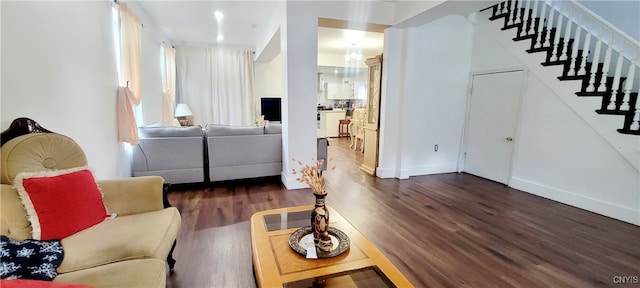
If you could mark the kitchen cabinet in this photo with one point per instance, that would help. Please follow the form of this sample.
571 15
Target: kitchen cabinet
321 83
329 120
361 91
339 91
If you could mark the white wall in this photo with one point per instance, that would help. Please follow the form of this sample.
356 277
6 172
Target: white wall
431 94
622 14
559 156
268 78
58 68
267 81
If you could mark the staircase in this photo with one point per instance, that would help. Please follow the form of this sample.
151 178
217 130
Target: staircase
587 48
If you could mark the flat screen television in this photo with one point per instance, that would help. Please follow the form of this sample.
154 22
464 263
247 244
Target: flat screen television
271 109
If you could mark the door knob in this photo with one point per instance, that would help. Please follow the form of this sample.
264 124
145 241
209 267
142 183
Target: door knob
509 139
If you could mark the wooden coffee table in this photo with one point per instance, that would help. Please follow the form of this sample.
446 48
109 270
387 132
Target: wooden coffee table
276 264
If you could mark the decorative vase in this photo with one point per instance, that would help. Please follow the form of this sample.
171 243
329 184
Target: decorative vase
320 224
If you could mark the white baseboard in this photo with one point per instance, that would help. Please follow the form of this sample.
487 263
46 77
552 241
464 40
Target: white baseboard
612 210
416 171
292 183
386 172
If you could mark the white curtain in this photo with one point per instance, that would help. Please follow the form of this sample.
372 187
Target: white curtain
168 83
128 94
217 84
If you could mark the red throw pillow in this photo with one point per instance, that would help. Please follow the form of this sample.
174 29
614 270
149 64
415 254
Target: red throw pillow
61 203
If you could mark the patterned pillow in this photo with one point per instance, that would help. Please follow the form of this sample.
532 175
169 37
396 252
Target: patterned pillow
29 259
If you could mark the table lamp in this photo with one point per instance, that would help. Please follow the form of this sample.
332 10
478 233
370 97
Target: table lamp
182 112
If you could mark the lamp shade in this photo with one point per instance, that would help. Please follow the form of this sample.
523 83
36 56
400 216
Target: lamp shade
182 110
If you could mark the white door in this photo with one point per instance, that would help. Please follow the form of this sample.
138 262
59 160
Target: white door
491 125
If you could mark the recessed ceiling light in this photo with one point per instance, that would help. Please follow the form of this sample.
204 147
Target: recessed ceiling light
220 38
218 15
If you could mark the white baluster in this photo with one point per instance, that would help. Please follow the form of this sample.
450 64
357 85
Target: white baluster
556 42
574 52
549 25
517 12
534 14
629 85
585 55
567 34
605 67
539 38
616 80
594 65
635 123
512 10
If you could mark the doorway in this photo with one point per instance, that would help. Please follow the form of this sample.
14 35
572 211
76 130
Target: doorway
492 117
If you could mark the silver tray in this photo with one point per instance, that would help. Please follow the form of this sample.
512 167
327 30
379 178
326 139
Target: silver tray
339 239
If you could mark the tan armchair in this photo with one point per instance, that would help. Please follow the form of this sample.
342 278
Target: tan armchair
127 251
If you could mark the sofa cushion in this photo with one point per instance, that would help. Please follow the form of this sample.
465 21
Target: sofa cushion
273 128
61 203
137 236
148 273
30 259
224 130
167 131
14 217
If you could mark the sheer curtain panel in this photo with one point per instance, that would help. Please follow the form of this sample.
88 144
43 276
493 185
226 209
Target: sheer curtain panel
217 83
168 83
128 94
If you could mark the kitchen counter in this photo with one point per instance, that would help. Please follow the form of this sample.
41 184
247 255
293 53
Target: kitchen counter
329 120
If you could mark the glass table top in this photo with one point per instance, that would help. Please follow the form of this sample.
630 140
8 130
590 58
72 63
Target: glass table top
370 277
283 221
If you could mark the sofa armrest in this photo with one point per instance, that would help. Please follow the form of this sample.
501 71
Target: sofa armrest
128 196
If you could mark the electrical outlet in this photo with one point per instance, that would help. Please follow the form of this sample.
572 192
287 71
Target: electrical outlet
435 147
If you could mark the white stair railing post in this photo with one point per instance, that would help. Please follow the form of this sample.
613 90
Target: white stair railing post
605 68
549 26
585 55
533 17
594 65
539 38
512 10
567 35
556 42
574 52
517 14
635 123
616 80
629 84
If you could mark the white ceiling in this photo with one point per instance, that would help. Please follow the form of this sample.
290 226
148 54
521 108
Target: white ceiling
193 22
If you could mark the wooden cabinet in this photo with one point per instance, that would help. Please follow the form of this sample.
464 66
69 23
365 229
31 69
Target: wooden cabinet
371 126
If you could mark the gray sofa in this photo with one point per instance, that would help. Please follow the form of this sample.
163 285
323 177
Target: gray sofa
244 152
216 153
174 153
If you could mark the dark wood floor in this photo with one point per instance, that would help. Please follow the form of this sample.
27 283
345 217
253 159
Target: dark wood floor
447 230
